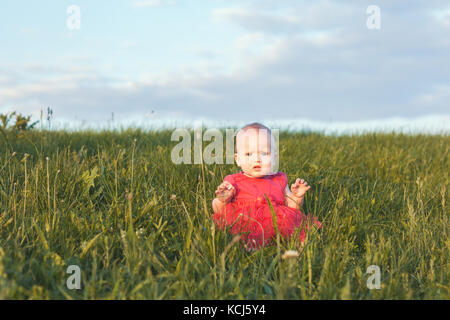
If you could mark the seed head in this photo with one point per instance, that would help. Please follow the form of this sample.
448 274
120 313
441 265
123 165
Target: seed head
290 254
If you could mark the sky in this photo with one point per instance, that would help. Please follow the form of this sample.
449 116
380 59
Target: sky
289 61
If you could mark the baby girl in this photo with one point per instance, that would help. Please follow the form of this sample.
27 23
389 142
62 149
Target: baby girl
241 203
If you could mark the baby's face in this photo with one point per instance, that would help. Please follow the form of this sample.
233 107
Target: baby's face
254 154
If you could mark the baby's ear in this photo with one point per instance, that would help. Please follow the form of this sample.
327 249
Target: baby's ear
236 159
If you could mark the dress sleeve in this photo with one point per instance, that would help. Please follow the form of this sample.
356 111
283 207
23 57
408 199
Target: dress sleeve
283 180
230 179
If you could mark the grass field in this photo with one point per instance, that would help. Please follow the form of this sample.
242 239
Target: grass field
139 226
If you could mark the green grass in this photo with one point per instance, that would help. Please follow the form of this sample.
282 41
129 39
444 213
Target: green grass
104 202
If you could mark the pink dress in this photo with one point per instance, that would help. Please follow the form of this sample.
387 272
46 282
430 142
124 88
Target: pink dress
249 213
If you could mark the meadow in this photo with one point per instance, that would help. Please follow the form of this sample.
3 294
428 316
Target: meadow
139 226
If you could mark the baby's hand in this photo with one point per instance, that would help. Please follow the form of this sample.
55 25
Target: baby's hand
225 191
299 188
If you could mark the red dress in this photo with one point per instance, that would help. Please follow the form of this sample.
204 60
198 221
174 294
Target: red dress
249 213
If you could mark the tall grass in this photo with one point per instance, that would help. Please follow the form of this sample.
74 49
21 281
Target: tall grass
140 227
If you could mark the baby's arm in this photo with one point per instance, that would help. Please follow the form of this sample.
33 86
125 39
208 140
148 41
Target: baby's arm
294 196
224 194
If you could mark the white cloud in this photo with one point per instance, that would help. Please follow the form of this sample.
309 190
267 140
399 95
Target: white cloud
153 3
127 44
437 97
443 17
255 21
202 52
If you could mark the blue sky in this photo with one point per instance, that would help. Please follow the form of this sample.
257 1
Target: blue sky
226 60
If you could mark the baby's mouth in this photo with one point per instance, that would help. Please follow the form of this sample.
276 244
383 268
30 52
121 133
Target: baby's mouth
256 167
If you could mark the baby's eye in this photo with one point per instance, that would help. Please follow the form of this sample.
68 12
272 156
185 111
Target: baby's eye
265 153
248 154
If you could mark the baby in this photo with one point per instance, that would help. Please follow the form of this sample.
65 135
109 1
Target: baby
240 201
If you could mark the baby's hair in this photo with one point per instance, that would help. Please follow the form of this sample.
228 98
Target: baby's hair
255 125
258 126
